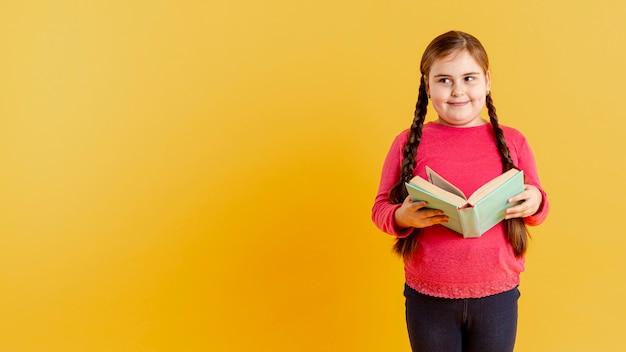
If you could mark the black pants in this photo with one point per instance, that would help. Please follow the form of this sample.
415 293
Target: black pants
486 324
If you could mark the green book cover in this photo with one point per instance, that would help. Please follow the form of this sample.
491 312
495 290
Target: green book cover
470 216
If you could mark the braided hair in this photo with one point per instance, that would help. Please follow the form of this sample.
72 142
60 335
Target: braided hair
443 45
515 229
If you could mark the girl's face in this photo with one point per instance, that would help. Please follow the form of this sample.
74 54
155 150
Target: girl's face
457 87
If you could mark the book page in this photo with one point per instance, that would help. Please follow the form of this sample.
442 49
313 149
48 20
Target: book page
492 185
442 183
424 186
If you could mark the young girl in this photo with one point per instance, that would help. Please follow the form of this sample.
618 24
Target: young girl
461 294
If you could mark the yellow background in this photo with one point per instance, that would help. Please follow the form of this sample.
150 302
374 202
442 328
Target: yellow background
198 175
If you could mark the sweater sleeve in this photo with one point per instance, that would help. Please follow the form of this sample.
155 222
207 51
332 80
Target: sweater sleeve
526 162
383 210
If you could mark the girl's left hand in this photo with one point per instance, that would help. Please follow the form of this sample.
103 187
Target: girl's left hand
531 198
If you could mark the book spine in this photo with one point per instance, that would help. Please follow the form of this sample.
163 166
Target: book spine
470 222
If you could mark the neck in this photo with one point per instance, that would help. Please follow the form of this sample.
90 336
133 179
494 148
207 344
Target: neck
474 123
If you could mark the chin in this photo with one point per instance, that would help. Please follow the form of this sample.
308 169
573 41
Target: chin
461 122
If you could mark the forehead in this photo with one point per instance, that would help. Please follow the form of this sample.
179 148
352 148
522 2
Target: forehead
458 62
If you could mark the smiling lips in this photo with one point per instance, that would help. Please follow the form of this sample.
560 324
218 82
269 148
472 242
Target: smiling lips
461 103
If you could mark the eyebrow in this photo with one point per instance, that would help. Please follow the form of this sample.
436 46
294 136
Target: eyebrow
465 74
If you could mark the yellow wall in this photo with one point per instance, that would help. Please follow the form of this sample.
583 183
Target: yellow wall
198 175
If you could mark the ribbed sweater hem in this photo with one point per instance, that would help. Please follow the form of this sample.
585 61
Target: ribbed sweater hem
459 291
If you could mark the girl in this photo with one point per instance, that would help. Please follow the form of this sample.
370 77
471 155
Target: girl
461 294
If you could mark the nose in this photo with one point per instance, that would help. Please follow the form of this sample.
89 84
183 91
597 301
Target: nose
457 90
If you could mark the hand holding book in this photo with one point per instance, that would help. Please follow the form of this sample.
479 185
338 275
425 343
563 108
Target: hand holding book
470 216
528 202
417 214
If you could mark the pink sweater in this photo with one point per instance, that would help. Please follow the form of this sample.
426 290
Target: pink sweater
445 264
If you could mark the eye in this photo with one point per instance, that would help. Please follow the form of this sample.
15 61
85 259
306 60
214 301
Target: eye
444 80
470 78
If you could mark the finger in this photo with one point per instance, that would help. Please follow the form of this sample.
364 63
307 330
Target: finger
429 221
518 211
440 219
431 213
415 205
520 197
529 192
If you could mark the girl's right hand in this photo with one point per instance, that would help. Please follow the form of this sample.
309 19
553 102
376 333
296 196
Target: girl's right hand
415 214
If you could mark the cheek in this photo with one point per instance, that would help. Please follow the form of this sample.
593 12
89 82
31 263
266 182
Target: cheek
435 93
438 99
439 105
479 98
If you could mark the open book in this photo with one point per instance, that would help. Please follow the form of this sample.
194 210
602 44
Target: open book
471 216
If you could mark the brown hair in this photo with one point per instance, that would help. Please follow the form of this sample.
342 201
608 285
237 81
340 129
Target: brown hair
442 46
